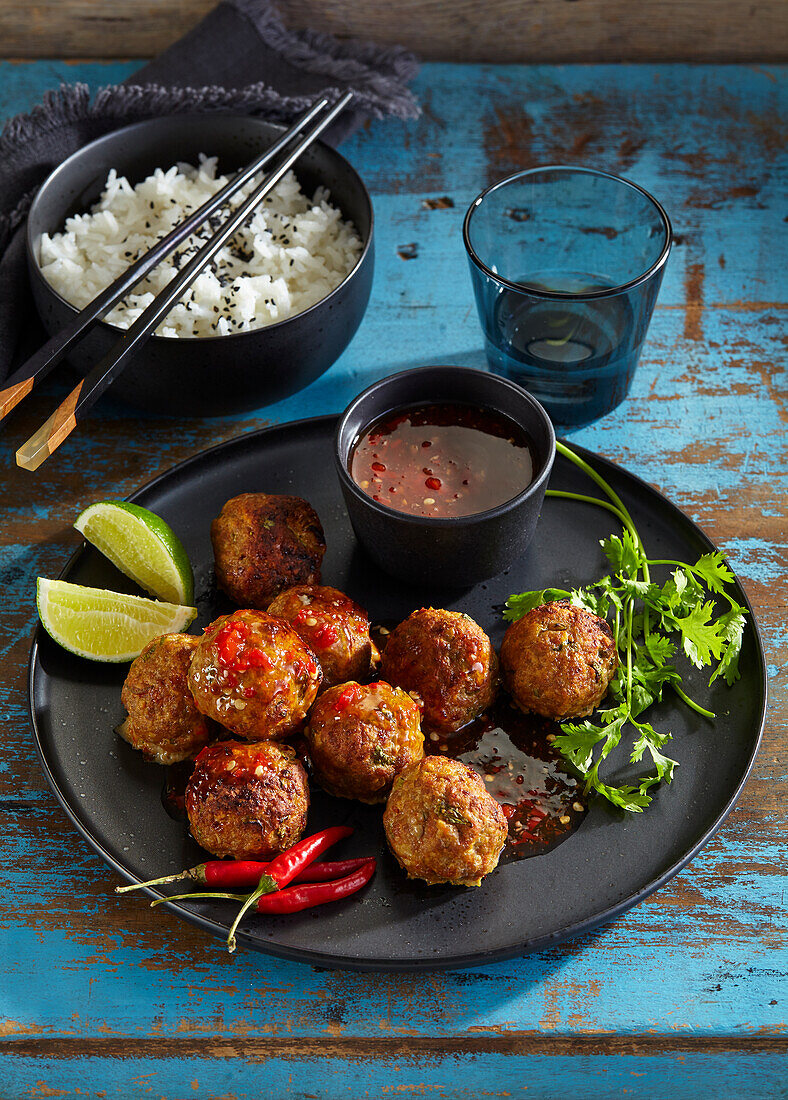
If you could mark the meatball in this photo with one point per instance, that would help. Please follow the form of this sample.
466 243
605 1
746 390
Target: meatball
163 721
442 824
448 660
263 544
247 801
334 627
252 673
361 737
558 660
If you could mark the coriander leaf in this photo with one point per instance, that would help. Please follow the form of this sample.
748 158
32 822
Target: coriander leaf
590 601
701 639
732 623
626 797
677 596
642 590
608 588
576 742
714 571
652 741
517 606
614 713
651 675
641 699
660 649
622 553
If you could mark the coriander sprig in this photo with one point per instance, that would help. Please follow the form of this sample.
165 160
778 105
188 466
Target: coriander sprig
649 622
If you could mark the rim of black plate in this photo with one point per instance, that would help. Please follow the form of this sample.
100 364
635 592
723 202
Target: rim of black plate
349 962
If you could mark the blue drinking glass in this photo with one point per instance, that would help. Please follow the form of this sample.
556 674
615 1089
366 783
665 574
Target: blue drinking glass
566 266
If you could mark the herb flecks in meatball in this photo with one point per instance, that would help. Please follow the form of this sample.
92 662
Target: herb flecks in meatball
247 801
558 660
264 543
360 737
442 824
163 722
254 675
448 661
334 627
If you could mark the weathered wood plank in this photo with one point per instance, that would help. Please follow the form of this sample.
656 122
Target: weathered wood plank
679 1075
502 30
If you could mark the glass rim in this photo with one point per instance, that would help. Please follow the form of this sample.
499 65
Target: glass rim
524 288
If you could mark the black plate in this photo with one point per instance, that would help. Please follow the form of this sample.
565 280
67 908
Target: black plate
611 862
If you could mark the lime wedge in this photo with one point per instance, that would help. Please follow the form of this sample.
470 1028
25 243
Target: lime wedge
102 625
142 546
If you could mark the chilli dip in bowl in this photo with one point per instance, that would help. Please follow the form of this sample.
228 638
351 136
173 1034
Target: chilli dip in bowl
443 460
466 457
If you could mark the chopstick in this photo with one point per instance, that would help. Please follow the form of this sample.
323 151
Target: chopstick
68 414
38 366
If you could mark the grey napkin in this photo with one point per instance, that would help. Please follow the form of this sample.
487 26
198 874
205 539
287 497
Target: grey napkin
239 58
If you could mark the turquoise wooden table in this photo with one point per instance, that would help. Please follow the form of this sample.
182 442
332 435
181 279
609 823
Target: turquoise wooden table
685 995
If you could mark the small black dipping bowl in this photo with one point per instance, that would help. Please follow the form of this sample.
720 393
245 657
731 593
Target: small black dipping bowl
215 375
461 551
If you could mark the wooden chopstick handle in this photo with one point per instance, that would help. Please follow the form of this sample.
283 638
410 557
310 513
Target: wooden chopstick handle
12 395
51 434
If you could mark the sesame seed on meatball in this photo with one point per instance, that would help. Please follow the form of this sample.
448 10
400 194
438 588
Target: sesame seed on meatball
448 661
360 737
334 627
247 801
558 660
264 543
442 824
163 721
254 675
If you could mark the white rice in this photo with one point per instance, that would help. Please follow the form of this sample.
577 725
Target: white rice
291 253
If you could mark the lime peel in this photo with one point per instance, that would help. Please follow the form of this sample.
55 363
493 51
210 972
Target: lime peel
102 625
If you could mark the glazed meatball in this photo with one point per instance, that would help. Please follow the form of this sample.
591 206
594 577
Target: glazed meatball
448 661
361 737
558 660
254 675
263 544
334 627
163 721
247 801
442 824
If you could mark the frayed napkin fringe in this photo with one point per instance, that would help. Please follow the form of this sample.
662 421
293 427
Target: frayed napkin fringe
72 103
351 61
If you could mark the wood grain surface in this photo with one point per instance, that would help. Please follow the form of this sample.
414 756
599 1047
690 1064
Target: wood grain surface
684 995
535 31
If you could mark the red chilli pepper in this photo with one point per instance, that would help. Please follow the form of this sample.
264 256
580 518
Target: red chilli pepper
245 874
296 898
285 867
